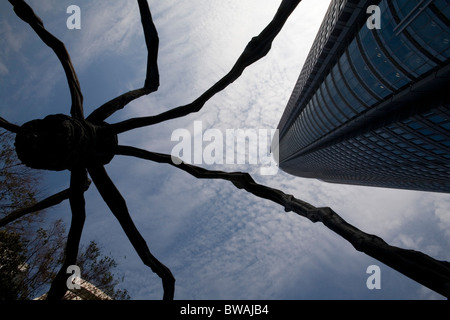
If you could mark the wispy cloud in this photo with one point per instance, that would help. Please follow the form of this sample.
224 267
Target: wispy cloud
3 69
106 28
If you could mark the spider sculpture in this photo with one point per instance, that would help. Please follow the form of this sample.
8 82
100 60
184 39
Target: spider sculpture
83 145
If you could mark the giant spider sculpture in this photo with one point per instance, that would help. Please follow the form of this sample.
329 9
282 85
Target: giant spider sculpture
83 145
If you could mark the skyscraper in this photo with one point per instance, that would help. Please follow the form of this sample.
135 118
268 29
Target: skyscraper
371 104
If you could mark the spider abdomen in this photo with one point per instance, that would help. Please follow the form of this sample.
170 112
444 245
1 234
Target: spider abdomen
59 142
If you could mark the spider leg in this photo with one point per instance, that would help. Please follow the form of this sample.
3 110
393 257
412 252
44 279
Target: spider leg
117 205
9 126
152 78
41 205
78 182
256 49
432 273
26 13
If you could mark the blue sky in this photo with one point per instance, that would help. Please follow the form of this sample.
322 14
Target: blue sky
220 242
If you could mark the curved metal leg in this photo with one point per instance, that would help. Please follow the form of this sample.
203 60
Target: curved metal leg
78 184
117 205
24 12
434 274
256 49
152 78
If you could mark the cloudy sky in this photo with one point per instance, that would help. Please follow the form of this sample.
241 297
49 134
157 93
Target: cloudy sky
219 242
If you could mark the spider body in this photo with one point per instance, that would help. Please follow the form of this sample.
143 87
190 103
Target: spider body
60 142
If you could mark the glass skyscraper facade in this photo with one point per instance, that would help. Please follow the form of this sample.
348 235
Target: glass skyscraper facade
371 105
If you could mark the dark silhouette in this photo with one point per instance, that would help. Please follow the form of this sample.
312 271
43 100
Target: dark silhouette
85 145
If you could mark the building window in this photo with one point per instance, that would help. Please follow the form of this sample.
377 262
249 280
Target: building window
345 92
383 64
370 85
338 100
334 116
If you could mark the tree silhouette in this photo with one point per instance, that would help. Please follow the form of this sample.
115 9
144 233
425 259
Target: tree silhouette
84 145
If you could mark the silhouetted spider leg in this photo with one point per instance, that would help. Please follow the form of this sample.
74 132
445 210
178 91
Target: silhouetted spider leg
78 182
432 273
9 126
41 205
24 11
256 49
151 83
117 205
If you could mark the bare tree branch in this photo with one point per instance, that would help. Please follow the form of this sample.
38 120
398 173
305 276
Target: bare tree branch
26 13
256 49
152 78
420 267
